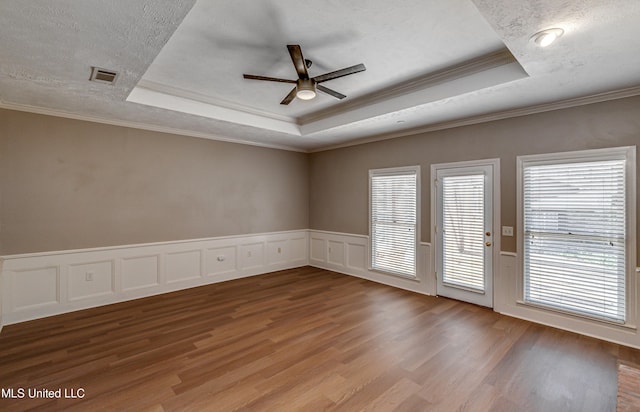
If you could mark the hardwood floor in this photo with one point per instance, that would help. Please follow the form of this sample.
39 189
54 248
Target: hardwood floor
304 339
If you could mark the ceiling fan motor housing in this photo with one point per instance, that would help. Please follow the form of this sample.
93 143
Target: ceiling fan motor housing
306 89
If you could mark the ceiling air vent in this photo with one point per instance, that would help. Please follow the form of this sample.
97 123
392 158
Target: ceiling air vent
103 75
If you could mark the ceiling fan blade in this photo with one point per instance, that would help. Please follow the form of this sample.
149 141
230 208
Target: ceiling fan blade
340 73
271 79
298 61
330 91
290 96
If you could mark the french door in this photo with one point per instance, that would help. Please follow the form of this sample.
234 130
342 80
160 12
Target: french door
464 230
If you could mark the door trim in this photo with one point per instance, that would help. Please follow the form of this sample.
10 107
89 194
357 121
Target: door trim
496 229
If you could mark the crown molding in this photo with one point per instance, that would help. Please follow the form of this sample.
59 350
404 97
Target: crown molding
558 105
158 99
506 114
198 97
489 61
140 125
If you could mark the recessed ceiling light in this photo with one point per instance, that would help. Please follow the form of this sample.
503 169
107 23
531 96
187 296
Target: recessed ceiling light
546 37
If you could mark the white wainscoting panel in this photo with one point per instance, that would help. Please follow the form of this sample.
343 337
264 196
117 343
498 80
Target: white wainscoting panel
140 272
36 285
221 260
277 251
356 257
298 249
504 280
28 295
335 252
91 279
251 255
348 254
181 266
318 250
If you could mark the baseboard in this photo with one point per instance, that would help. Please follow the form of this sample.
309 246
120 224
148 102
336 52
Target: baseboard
348 254
37 285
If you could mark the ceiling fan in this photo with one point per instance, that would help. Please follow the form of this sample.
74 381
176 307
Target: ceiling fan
306 87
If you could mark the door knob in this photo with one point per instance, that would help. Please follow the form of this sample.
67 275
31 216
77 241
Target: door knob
488 243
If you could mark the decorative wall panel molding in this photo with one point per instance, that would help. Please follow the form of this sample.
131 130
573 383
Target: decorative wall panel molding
348 254
87 280
140 272
43 284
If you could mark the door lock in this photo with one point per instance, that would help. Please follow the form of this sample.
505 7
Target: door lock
488 233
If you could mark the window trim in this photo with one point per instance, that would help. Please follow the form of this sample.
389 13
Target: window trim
395 171
627 153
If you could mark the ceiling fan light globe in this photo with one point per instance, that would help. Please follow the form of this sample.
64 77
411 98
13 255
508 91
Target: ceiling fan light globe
305 94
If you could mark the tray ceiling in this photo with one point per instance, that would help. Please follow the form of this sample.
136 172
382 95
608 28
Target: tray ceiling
429 64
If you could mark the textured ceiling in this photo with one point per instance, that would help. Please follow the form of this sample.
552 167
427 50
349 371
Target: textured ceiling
429 64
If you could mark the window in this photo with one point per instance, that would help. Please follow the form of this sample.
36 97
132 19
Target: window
393 207
576 211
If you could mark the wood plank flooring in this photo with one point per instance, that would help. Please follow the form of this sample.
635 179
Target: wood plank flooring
304 339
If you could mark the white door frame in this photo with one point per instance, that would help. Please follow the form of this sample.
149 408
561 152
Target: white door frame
496 225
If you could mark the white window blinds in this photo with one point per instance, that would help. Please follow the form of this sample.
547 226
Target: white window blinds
463 231
574 237
394 197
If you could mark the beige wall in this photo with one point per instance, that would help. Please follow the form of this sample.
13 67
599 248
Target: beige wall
338 178
67 184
